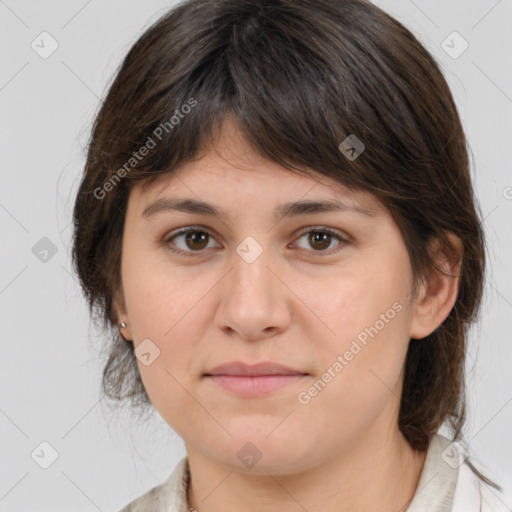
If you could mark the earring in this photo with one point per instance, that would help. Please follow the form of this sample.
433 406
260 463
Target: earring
123 325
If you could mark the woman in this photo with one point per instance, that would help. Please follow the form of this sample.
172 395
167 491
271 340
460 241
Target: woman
277 223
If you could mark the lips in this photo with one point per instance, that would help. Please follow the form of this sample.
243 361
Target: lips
238 368
254 381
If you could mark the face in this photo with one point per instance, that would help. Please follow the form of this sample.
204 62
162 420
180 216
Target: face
326 294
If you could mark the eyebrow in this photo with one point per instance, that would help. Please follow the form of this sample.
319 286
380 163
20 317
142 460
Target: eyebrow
295 209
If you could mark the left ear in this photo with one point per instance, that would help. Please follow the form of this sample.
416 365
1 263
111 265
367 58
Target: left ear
437 293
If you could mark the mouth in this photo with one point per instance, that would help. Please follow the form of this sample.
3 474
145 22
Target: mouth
254 386
238 368
254 380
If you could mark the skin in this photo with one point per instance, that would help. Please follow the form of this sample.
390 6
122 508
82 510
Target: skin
299 303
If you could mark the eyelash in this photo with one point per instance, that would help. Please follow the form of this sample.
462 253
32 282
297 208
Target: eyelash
198 229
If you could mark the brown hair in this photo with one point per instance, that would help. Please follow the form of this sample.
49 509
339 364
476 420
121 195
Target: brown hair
299 77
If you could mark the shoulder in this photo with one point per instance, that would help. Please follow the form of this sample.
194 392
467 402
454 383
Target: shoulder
492 500
471 493
151 501
169 496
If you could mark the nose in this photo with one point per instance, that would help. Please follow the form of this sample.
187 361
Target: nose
255 302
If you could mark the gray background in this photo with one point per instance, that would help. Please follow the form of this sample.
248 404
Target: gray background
50 370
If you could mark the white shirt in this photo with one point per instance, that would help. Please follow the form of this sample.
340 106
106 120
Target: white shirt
446 484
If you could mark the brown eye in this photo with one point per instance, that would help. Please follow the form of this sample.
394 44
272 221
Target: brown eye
196 240
193 240
321 239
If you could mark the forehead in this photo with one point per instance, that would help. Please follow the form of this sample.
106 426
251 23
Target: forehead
232 174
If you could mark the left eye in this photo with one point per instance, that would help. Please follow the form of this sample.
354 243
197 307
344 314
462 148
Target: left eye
196 240
322 238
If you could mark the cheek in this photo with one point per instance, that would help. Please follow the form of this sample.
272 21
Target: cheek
158 296
364 301
361 363
162 304
369 318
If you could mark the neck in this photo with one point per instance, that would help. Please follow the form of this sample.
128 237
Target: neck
376 473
